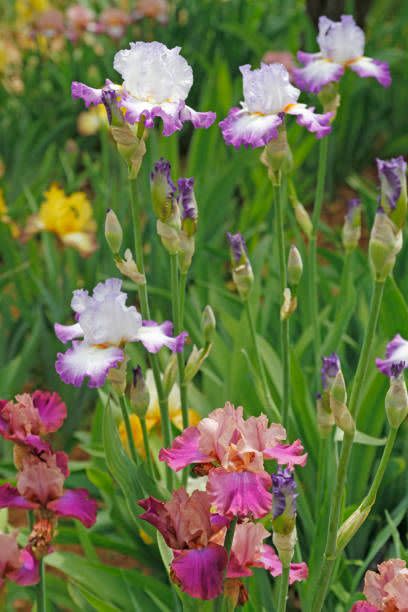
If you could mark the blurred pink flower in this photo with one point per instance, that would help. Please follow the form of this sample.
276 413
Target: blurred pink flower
152 9
280 57
16 564
385 590
113 22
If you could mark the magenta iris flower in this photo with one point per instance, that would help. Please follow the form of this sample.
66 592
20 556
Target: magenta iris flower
156 83
341 46
268 97
233 451
106 325
190 530
27 418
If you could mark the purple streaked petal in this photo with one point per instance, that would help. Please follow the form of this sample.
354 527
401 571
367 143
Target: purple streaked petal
84 360
168 112
392 175
198 119
396 355
187 198
36 443
249 129
11 498
269 560
51 408
75 504
287 454
240 494
88 94
314 122
316 74
200 571
368 67
184 451
155 336
28 573
65 333
284 494
330 368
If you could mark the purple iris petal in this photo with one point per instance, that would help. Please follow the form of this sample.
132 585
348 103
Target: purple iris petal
238 246
75 504
392 174
200 571
11 498
187 198
283 493
330 368
51 408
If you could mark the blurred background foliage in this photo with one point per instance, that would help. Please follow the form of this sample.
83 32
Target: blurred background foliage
43 141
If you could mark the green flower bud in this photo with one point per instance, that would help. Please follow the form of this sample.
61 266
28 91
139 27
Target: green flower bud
396 401
241 266
384 246
139 393
208 324
277 156
295 267
329 98
352 226
113 231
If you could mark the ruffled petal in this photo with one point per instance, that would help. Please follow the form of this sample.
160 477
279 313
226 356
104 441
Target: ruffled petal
65 333
249 129
396 355
246 545
199 120
11 498
200 571
134 110
85 360
307 58
88 94
28 573
368 67
314 122
154 337
51 408
184 451
240 494
287 454
363 606
75 504
317 73
271 562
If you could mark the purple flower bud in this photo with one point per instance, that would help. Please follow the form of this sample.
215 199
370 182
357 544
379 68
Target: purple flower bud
162 189
352 225
392 174
187 198
330 368
353 208
284 494
239 250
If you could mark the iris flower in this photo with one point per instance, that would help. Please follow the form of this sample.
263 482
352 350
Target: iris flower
341 46
268 97
106 325
156 83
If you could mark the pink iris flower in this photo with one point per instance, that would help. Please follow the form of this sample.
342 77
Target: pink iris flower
233 451
27 418
17 564
40 486
387 590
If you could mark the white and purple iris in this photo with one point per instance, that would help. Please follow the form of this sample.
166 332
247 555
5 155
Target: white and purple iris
268 97
396 357
341 46
106 325
156 83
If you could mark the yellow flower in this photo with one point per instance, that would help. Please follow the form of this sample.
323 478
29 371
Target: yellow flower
69 217
27 9
153 414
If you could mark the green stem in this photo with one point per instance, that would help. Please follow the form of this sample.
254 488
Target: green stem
227 605
283 589
313 294
280 202
128 427
146 443
354 406
41 590
366 505
321 472
144 306
267 397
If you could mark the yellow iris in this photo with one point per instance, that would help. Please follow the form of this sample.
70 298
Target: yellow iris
64 214
27 9
153 415
4 216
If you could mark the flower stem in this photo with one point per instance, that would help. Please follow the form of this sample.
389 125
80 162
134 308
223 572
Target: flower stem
313 295
146 443
128 427
366 505
144 306
280 201
41 590
283 589
354 406
267 398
